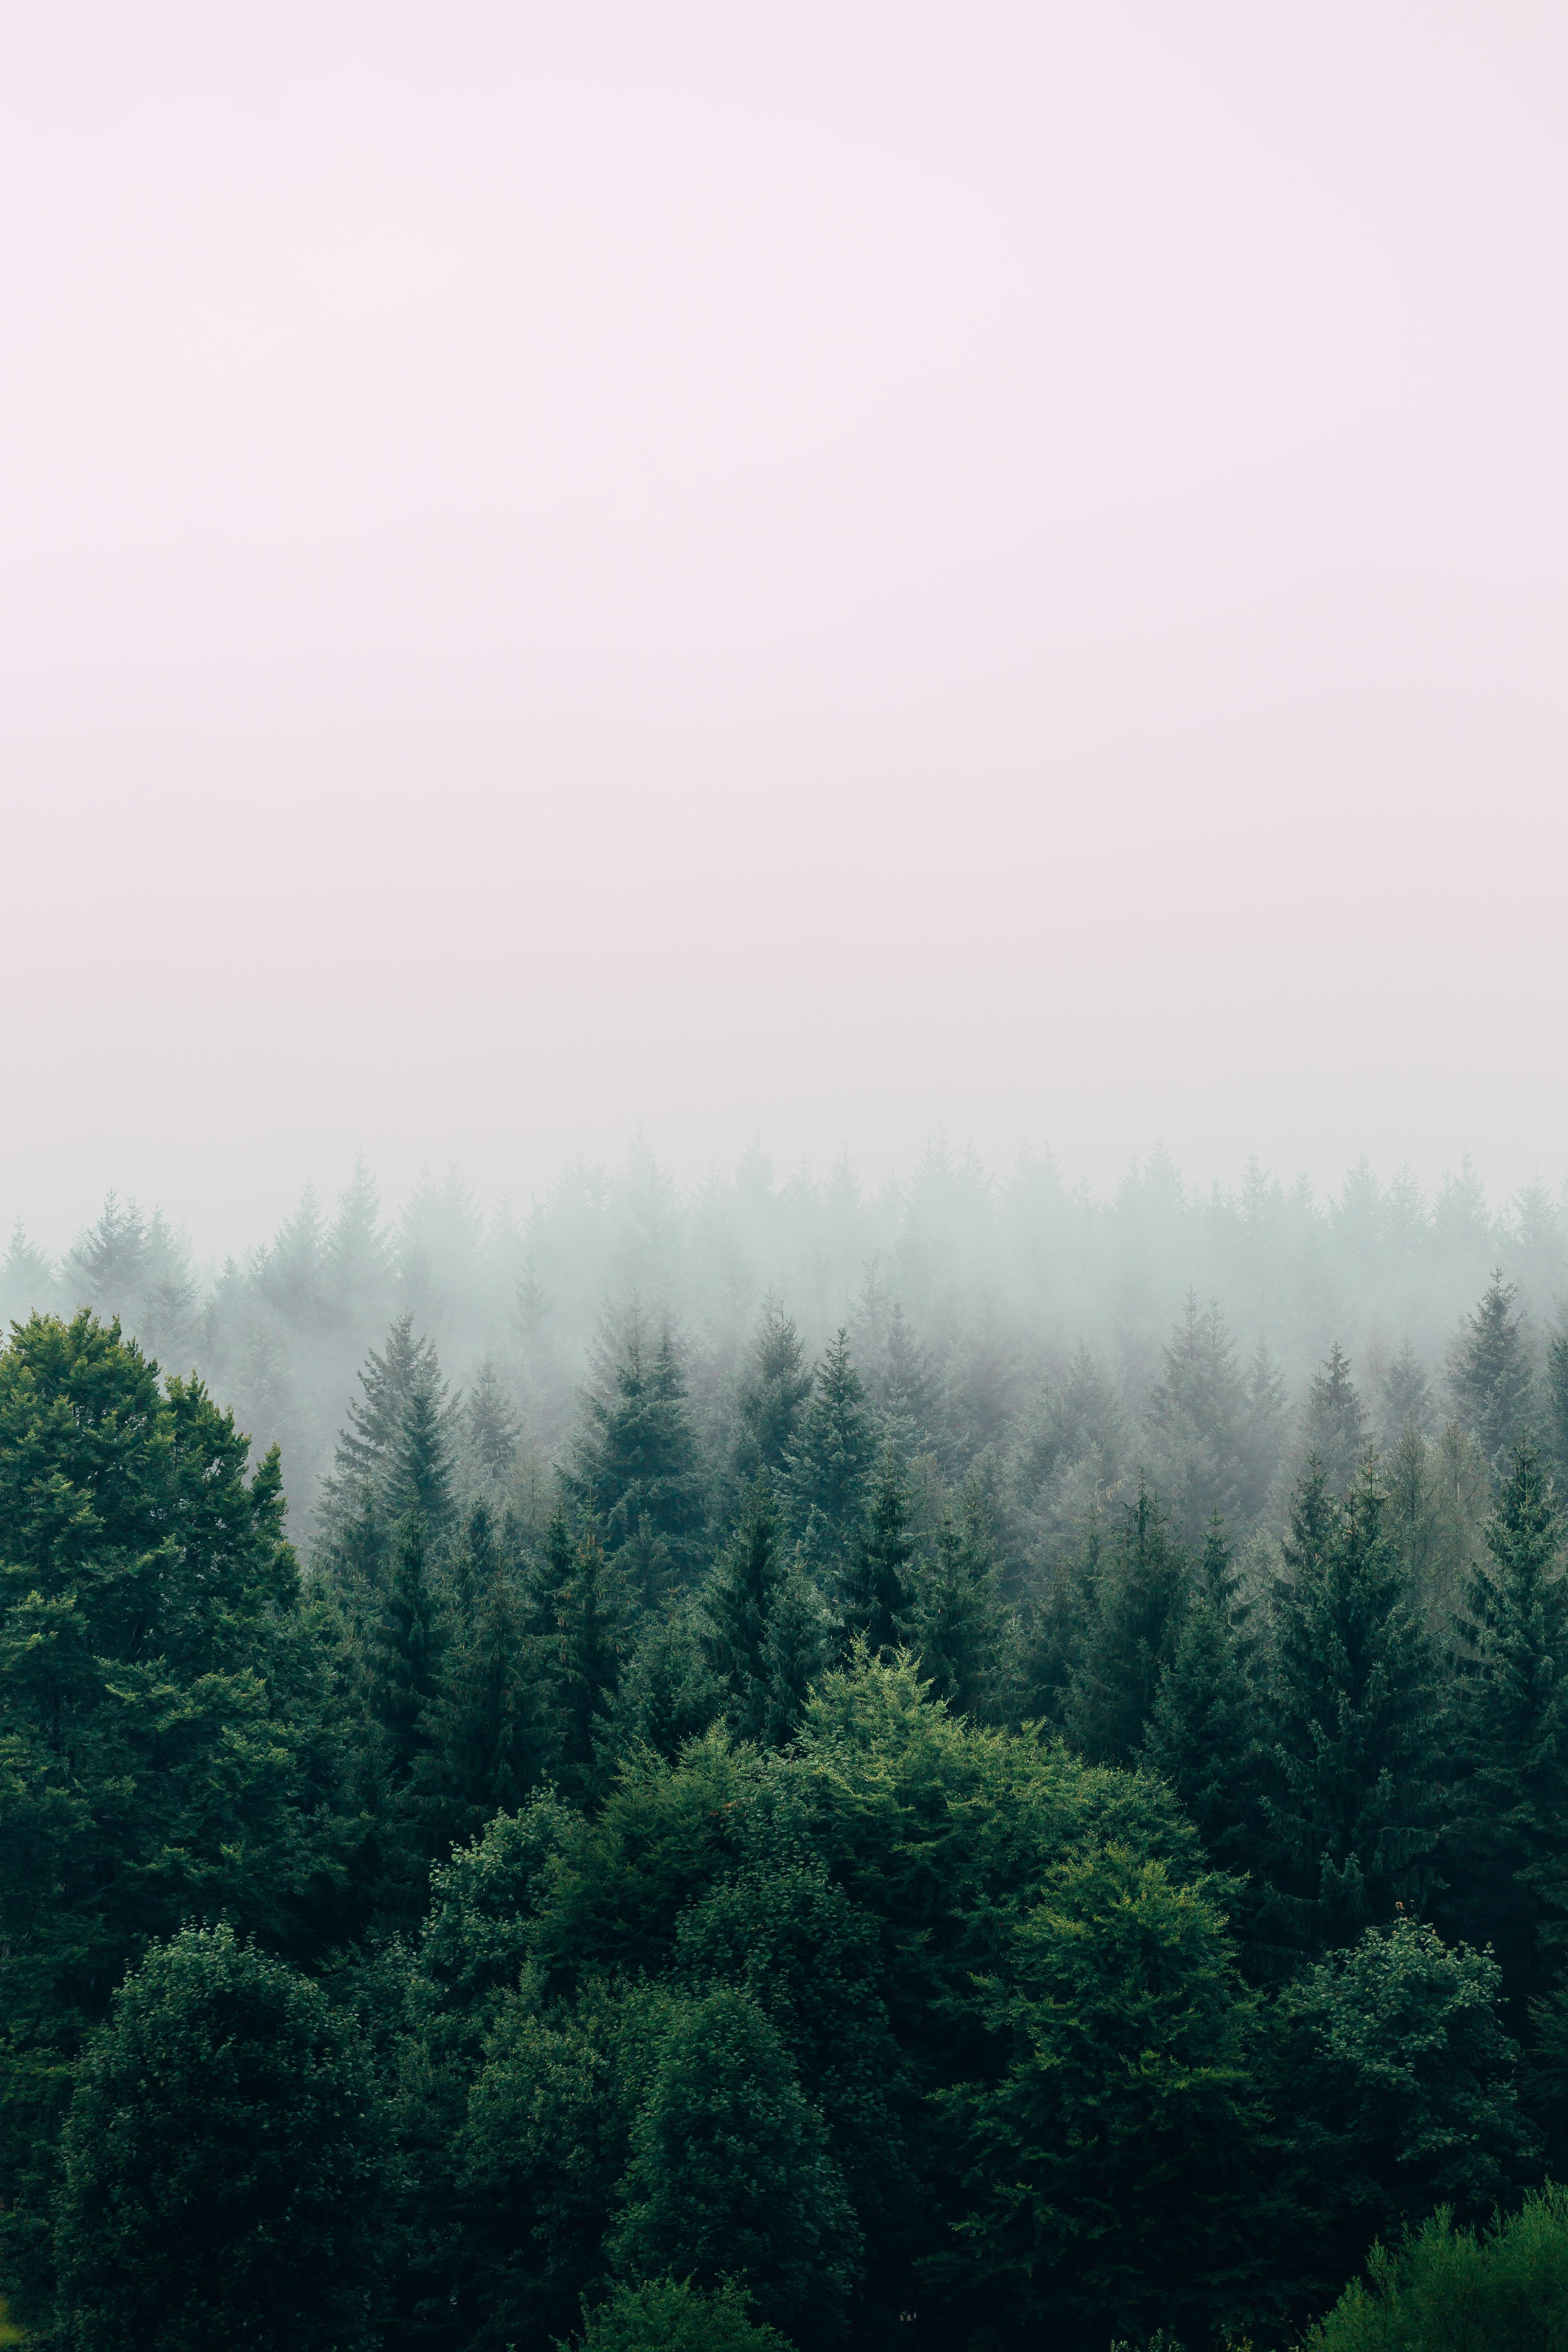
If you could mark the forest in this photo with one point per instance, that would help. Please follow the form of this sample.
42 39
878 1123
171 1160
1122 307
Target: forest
972 1765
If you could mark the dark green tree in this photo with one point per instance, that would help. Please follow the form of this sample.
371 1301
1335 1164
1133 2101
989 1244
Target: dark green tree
874 1586
772 1393
1507 1854
829 1467
589 1628
672 2315
1206 1733
1493 1375
1333 1424
1352 1762
730 2173
634 1462
224 2175
1136 1609
491 1428
420 1470
958 1615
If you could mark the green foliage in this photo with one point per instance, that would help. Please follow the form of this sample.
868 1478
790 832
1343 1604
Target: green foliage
730 2173
957 1611
874 1580
1507 1853
1137 1604
1352 1761
829 1465
1396 2091
634 1464
1452 2289
222 2168
1492 1375
1108 2156
673 2315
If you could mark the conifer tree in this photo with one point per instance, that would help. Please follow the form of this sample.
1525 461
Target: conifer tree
1491 1374
829 1467
772 1393
1406 1397
491 1428
420 1471
1334 1424
1198 1416
586 1659
1205 1733
875 1587
635 1459
739 1601
366 1455
1139 1598
1557 1410
405 1658
1351 1761
1508 1855
958 1616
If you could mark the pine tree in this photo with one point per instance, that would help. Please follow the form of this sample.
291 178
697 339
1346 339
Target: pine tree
366 1449
875 1585
1334 1425
738 1603
1406 1397
405 1658
1198 1417
357 1256
420 1470
828 1469
1205 1733
958 1617
1351 1763
492 1739
771 1396
1509 1844
1557 1410
1491 1374
586 1655
635 1458
1139 1599
491 1428
1264 1441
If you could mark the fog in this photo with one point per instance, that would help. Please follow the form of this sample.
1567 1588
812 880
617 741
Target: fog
836 573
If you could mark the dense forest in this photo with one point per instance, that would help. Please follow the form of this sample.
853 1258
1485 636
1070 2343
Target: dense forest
975 1766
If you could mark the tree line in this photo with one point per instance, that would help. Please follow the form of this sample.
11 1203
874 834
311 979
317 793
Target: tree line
784 1876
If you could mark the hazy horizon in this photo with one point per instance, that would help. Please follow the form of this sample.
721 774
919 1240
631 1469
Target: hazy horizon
572 572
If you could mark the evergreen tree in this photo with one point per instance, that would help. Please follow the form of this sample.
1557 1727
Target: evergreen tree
368 1450
586 1661
1508 1855
1334 1425
1557 1410
1406 1397
739 1601
1492 1376
875 1589
1353 1765
1139 1599
829 1467
225 2171
1197 1415
357 1256
1205 1733
768 1408
419 1474
635 1459
732 2176
491 1737
1264 1443
491 1428
958 1615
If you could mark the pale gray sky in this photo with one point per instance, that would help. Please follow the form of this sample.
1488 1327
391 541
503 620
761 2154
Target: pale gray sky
833 569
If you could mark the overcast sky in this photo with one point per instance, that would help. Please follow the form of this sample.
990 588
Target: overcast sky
828 568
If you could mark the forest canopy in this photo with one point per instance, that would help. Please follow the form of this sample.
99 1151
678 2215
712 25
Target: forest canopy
771 1767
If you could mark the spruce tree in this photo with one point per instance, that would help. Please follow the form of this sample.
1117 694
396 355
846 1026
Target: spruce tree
875 1591
1557 1410
1406 1397
1139 1599
958 1616
1492 1376
1197 1415
828 1468
491 1428
586 1659
1334 1424
738 1604
419 1474
1352 1759
772 1393
1206 1733
1508 1853
635 1459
